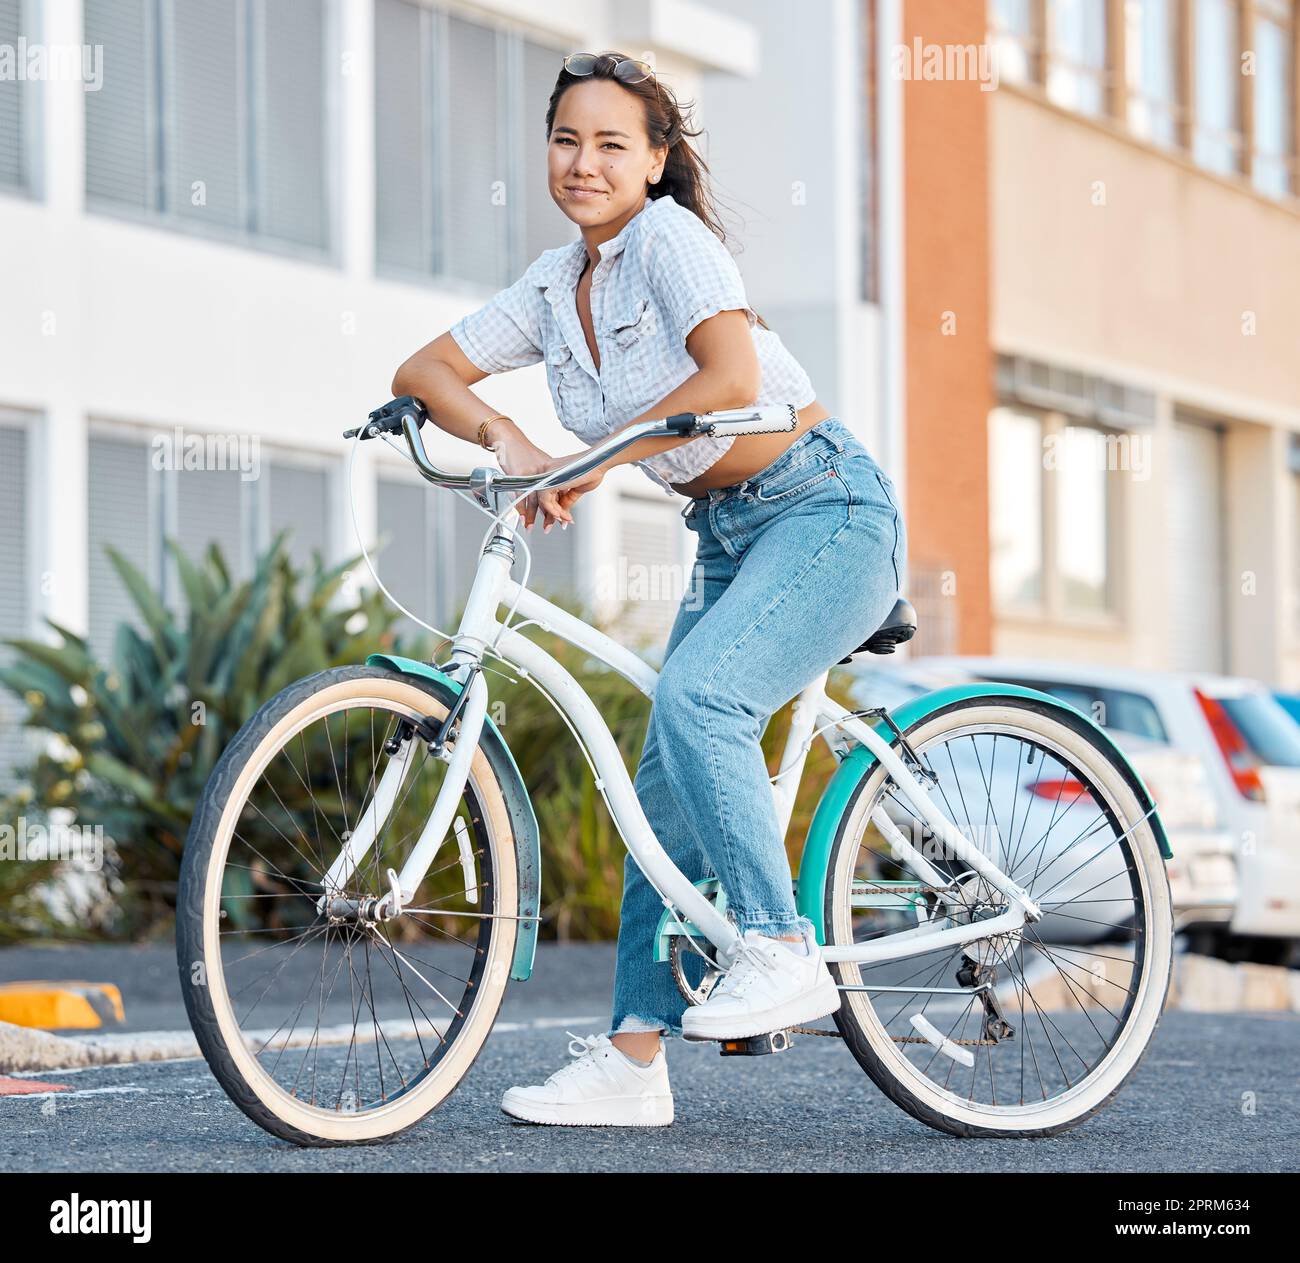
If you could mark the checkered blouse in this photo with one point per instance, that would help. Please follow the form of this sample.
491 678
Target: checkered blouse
657 279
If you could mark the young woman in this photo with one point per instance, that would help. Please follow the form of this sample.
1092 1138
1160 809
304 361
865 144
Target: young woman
800 546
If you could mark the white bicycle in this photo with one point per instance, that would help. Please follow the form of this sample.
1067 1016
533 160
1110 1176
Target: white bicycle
361 878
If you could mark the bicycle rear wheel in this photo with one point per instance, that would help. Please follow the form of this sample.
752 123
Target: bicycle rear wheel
324 1023
1023 1034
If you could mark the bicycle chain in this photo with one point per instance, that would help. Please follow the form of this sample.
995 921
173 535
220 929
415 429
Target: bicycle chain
898 1039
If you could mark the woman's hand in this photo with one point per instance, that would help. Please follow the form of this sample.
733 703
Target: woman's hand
570 493
517 455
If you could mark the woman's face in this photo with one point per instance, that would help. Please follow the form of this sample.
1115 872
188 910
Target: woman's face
599 157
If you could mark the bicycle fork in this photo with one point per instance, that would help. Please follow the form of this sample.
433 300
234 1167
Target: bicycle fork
402 886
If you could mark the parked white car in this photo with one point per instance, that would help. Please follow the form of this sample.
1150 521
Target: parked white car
1202 874
1248 750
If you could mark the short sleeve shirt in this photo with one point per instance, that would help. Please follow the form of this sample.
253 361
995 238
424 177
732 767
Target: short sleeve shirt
663 274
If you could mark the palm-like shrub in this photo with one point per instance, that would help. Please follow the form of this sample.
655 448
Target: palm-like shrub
136 737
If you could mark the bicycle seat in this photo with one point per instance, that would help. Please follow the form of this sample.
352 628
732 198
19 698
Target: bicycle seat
899 626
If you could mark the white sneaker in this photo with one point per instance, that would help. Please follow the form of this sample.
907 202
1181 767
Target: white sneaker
600 1088
771 986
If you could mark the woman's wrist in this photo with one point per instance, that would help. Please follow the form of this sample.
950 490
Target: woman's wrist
496 428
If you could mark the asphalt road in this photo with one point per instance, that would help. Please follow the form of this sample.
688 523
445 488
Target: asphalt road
1216 1092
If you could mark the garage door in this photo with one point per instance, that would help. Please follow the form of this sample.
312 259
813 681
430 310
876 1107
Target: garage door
1198 583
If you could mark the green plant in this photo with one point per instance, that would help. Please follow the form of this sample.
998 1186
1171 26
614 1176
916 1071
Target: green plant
136 738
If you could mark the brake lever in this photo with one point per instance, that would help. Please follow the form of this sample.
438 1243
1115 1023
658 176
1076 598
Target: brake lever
388 418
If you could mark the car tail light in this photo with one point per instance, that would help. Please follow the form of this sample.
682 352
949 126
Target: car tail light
1242 764
1067 789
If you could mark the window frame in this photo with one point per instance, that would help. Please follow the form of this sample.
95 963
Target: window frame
1052 607
162 504
1048 21
509 40
31 137
1132 88
1188 127
157 215
30 425
1032 42
437 524
1286 14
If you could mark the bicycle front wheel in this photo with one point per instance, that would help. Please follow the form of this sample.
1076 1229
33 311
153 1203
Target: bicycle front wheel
1023 1034
326 1024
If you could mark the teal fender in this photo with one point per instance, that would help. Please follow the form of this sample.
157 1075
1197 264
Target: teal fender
814 864
523 820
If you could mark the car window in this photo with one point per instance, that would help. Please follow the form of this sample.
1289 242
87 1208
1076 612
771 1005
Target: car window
1271 733
1131 712
1120 709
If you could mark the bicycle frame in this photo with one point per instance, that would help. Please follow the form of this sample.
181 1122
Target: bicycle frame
814 711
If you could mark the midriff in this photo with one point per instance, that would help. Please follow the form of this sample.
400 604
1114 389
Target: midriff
750 453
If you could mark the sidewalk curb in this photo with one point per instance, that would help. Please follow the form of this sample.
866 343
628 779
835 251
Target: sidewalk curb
36 1051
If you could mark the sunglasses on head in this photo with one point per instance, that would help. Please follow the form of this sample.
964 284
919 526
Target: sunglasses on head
627 69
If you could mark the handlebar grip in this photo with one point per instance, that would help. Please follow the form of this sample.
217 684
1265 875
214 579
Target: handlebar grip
773 418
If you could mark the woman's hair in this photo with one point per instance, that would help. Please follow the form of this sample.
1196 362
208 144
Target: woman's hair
685 174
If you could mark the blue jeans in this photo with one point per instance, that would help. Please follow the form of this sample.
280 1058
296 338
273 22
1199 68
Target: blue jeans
795 567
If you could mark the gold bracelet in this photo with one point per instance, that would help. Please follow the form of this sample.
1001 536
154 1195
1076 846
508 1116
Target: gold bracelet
483 425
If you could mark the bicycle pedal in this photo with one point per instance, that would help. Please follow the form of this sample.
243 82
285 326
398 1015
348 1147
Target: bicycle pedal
756 1045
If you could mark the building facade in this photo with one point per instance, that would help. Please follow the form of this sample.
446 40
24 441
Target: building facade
1113 362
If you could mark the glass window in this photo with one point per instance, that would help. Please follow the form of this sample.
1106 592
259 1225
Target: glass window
476 187
403 199
212 116
212 508
118 516
1053 509
1151 45
545 224
1016 502
407 563
1274 103
1076 76
299 502
1217 143
460 142
1014 39
15 611
1131 712
17 102
1083 519
1272 735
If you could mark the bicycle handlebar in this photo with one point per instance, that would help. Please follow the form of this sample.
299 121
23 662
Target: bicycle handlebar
407 414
